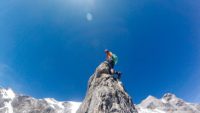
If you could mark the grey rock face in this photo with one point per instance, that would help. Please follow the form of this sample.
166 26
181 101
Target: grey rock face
26 104
106 94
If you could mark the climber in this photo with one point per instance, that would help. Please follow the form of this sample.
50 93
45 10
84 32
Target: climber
112 60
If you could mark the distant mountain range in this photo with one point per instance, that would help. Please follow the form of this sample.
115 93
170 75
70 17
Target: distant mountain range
105 94
169 103
14 103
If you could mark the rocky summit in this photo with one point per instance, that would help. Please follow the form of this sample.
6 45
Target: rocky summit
106 94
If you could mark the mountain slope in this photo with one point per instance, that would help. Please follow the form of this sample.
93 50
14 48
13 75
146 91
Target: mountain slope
14 103
106 94
169 103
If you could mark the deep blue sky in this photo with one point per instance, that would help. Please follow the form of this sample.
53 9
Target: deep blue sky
49 48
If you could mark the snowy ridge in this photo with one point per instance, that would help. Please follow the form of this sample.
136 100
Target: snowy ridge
146 110
13 103
169 103
6 98
75 106
53 103
7 94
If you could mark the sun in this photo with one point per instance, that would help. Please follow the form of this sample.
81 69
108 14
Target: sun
89 16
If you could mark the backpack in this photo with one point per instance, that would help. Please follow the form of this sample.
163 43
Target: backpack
115 58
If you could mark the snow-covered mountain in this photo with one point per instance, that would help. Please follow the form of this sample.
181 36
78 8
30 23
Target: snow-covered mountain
169 103
105 94
14 103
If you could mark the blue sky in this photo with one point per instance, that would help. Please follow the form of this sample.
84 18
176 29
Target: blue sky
51 48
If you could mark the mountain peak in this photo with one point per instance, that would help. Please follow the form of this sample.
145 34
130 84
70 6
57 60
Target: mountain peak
106 94
150 102
169 97
7 93
150 97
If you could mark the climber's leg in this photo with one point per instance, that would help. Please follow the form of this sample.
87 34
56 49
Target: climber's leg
111 63
112 71
118 74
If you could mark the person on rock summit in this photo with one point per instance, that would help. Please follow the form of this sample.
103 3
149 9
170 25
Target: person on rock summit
112 60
